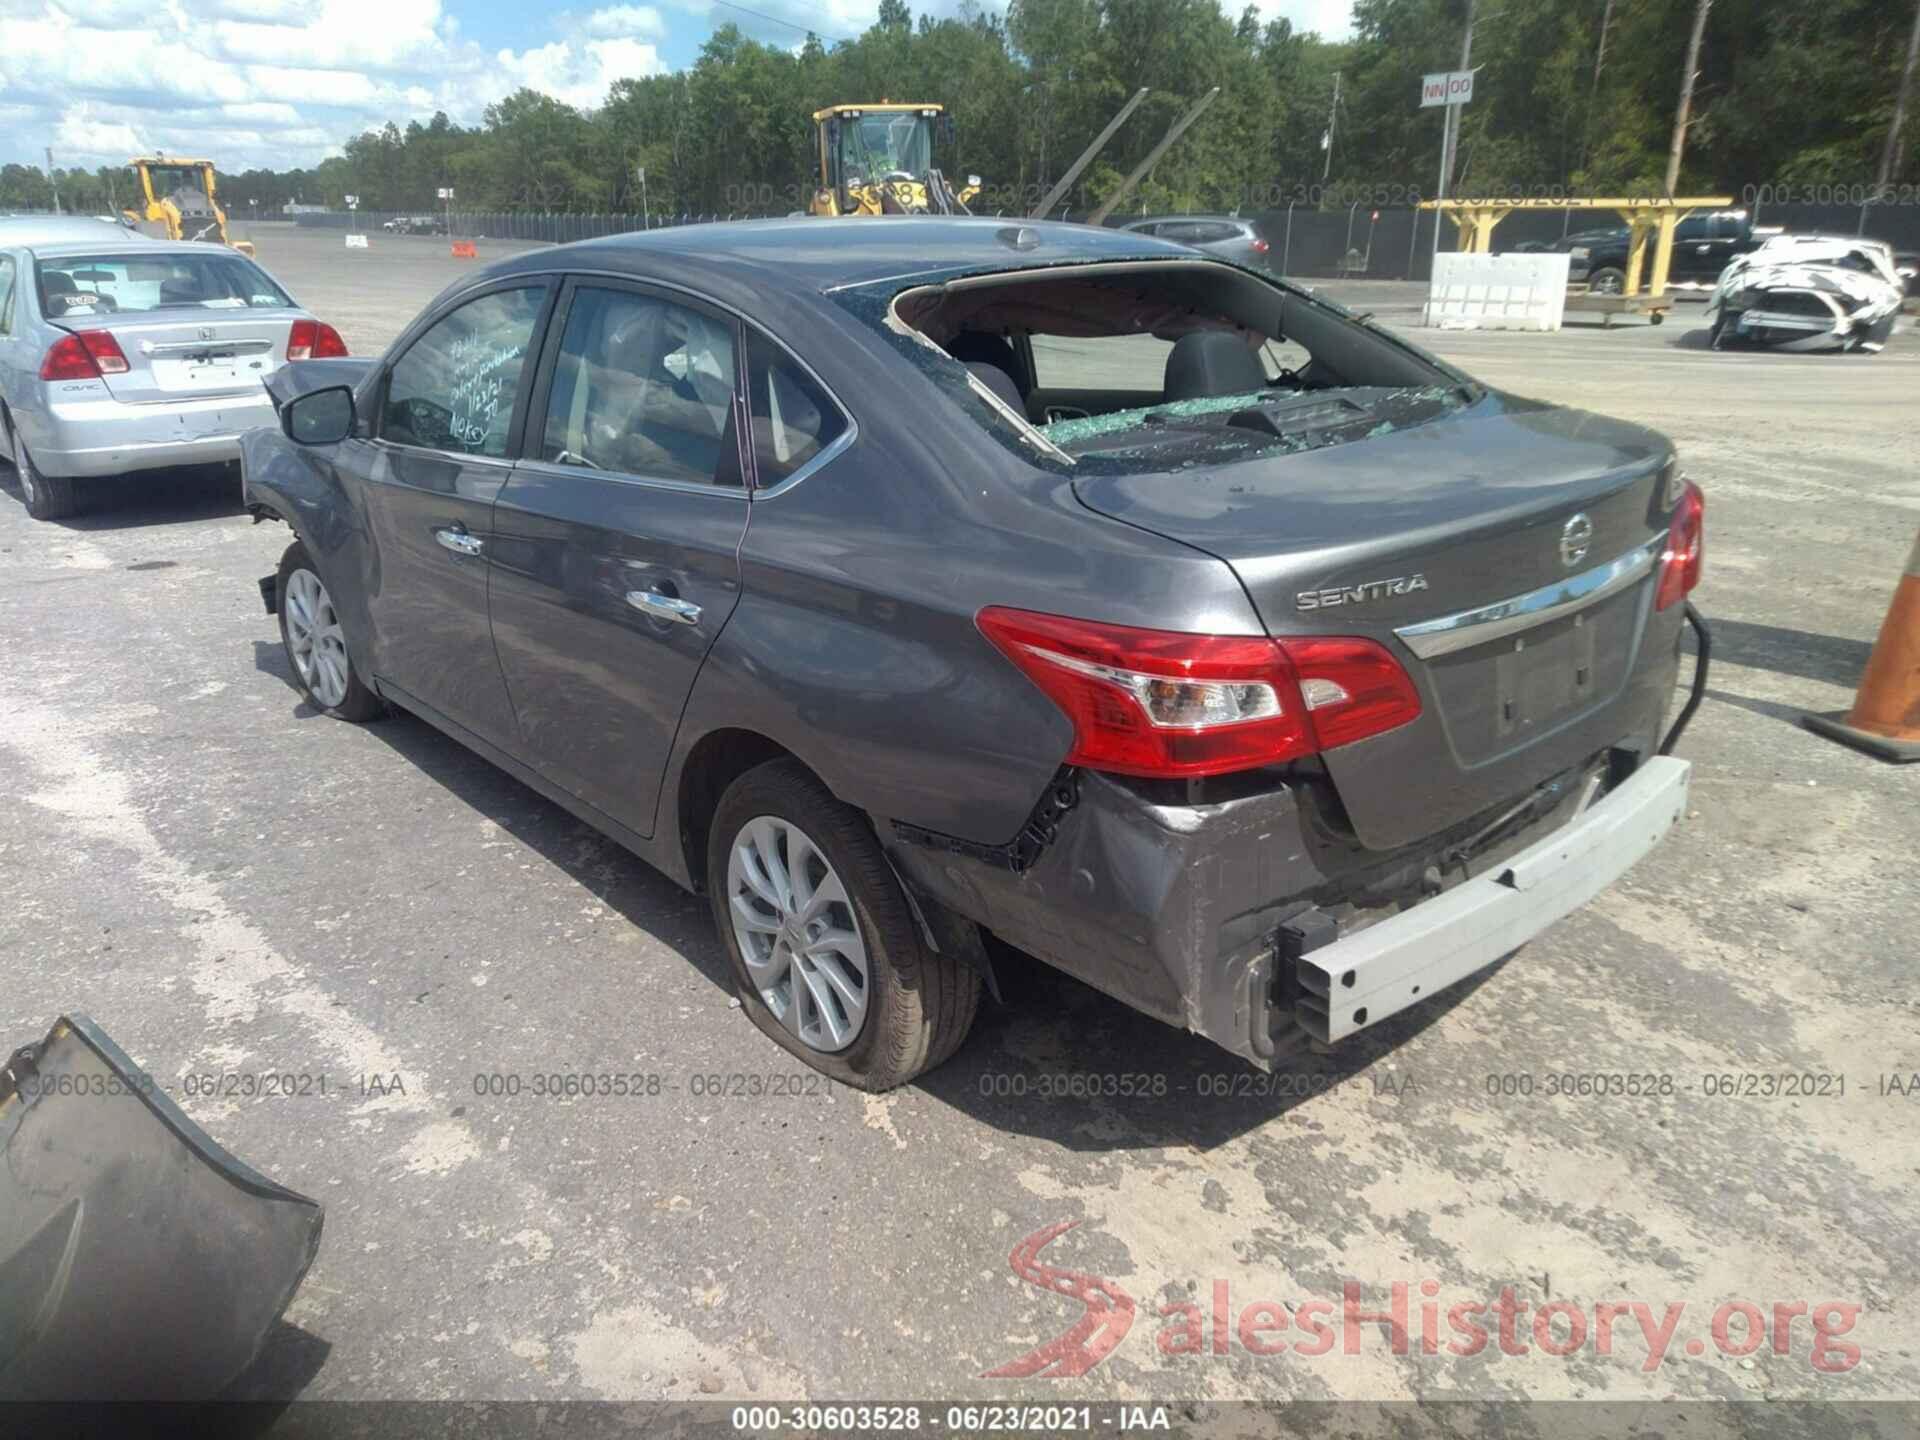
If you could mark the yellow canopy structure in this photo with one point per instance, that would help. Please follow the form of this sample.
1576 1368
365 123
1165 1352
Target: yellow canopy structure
1647 219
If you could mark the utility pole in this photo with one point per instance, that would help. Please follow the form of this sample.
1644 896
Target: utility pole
1593 89
1681 116
1333 118
53 182
1890 157
1448 127
1456 113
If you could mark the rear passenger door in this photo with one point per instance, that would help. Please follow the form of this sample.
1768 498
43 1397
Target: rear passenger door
616 540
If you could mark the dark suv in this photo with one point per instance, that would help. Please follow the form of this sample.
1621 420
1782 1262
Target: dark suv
1703 246
906 583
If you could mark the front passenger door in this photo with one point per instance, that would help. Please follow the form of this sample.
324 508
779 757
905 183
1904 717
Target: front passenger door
616 539
448 411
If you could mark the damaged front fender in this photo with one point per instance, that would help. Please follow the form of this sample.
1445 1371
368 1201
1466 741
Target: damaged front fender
138 1259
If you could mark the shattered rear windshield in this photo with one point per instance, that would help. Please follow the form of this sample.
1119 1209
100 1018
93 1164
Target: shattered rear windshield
1140 366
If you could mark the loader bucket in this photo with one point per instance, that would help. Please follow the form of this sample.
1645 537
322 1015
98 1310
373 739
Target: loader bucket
138 1259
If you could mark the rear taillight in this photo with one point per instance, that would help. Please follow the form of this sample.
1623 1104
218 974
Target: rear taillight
1260 246
84 355
1167 704
1680 561
314 340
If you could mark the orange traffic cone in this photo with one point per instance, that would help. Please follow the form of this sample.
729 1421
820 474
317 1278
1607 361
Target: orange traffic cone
1885 719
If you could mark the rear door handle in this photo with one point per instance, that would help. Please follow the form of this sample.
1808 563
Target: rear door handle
664 607
459 541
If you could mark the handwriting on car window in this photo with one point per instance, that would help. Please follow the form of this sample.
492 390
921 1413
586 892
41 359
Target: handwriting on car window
484 373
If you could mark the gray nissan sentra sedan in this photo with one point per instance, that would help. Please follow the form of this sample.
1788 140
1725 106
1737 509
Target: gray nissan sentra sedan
904 582
120 354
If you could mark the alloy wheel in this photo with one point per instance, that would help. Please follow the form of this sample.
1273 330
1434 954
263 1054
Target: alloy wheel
797 933
315 641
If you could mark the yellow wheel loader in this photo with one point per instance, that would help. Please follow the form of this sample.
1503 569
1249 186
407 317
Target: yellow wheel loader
878 160
176 202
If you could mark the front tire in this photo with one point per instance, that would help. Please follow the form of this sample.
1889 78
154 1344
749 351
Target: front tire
47 497
315 643
825 954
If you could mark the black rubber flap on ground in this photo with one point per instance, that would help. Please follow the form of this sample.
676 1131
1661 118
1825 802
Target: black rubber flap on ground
1834 726
138 1259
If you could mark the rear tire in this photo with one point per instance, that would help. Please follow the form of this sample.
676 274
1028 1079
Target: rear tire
47 497
914 1006
315 644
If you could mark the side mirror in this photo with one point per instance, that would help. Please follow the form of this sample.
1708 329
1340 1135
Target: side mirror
319 417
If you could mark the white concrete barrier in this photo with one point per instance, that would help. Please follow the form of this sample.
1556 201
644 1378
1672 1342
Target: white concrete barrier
356 242
1497 292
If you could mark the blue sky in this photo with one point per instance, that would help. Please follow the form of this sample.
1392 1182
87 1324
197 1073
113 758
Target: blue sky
283 82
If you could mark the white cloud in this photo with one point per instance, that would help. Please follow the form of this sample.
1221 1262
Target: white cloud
618 21
276 82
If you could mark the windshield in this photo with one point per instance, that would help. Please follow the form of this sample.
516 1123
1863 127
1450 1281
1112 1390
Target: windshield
875 146
180 184
122 284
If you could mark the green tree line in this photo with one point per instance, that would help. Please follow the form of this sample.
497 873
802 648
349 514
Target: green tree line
1576 95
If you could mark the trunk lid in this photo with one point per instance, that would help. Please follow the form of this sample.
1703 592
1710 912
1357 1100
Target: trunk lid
191 354
1445 521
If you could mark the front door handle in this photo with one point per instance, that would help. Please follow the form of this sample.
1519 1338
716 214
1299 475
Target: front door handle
664 607
459 541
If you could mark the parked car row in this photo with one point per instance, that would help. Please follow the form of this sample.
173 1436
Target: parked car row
120 353
937 595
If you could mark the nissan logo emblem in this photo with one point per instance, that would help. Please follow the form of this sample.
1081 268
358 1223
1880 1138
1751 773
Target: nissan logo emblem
1576 538
206 332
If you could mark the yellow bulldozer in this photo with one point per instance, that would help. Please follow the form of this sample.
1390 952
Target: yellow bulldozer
878 160
176 201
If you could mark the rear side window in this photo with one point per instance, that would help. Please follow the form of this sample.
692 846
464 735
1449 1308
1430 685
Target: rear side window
793 418
135 284
456 387
645 387
7 277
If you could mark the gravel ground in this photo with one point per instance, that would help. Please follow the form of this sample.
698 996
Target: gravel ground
230 883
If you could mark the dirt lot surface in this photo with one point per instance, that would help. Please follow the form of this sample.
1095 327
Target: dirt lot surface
233 885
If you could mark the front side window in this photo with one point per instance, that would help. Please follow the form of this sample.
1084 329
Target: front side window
456 387
135 284
645 387
793 418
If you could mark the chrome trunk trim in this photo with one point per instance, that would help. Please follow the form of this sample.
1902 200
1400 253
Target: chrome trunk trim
1465 628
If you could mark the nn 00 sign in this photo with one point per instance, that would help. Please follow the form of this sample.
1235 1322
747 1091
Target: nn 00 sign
1450 87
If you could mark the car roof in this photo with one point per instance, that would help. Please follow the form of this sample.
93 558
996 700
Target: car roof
124 243
734 260
35 231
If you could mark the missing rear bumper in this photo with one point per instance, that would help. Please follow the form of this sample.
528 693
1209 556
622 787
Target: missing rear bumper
1351 984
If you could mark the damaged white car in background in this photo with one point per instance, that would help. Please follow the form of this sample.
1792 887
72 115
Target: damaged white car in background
1808 292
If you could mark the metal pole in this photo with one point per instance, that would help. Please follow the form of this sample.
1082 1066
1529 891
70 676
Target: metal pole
1680 119
1065 182
1333 116
1413 237
1099 217
1890 156
53 182
1286 249
1449 132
